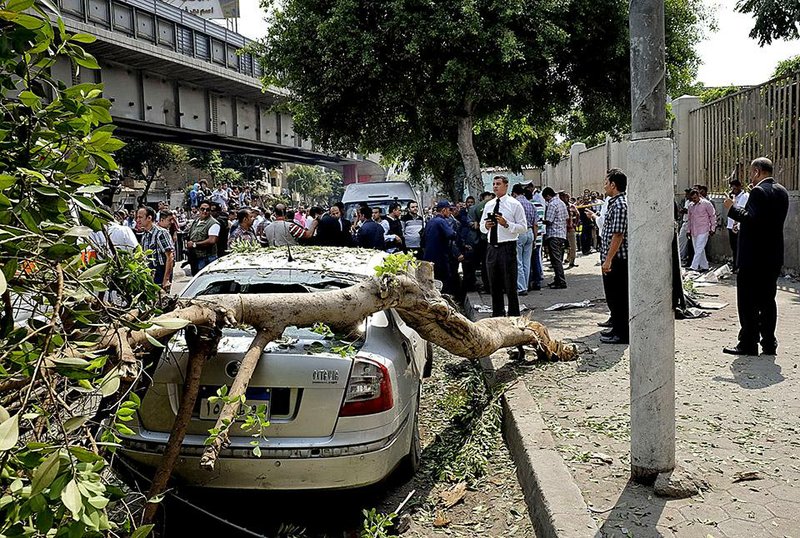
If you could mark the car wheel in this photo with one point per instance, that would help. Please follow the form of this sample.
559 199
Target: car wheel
426 372
409 465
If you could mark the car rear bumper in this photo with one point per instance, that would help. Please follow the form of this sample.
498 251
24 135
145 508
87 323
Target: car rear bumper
286 468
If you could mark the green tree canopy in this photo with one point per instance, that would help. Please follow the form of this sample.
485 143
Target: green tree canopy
314 184
774 19
429 82
146 159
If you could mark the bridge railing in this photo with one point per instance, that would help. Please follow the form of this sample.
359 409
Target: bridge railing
169 27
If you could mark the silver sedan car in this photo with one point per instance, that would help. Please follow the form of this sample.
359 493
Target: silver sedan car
337 419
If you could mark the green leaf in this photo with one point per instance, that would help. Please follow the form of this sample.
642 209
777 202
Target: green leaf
93 271
45 473
19 5
30 99
9 433
110 386
4 414
3 284
6 181
87 61
74 423
28 21
83 38
98 502
74 362
171 323
71 497
152 340
142 532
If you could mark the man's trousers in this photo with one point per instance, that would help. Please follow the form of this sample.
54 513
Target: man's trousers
501 265
615 284
758 313
556 247
699 262
524 249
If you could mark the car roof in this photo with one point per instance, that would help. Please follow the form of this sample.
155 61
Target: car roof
357 261
378 190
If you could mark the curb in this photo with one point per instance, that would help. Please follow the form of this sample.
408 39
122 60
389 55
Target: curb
555 503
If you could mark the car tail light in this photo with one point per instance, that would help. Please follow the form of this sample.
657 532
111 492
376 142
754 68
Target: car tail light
369 389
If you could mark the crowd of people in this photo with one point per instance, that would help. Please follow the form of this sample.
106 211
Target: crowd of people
495 244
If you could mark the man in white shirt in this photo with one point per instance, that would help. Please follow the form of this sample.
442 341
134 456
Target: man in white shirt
739 198
503 220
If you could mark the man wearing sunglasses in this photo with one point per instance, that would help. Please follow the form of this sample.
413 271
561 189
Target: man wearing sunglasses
202 239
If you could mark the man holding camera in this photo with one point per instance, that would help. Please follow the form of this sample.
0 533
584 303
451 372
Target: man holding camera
503 220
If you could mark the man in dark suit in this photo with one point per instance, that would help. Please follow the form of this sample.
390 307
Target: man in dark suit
760 258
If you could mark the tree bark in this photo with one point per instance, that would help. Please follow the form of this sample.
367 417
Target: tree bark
411 295
466 148
239 387
201 347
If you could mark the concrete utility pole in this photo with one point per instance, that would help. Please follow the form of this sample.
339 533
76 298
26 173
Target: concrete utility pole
650 232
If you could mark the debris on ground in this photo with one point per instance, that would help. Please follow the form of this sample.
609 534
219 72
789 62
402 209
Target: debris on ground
567 306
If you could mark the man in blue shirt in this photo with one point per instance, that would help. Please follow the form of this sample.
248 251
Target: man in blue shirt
438 237
370 233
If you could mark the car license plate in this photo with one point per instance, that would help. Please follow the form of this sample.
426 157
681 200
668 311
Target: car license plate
210 410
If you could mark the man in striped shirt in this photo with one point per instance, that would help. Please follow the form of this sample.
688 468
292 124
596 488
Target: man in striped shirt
555 217
157 240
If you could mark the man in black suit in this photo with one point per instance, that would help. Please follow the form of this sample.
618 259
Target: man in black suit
333 229
760 258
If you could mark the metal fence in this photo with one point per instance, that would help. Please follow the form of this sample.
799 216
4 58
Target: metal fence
763 121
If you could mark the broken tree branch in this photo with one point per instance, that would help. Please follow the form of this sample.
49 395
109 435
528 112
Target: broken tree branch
202 343
238 389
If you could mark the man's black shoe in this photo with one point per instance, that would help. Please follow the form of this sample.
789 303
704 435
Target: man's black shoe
555 286
535 288
606 323
613 339
607 333
739 351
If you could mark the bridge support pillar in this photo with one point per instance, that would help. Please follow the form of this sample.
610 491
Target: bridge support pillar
350 173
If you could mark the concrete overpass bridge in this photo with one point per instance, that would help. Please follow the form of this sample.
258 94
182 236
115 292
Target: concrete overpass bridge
175 77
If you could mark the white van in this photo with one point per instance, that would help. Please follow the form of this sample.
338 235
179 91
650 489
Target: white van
378 194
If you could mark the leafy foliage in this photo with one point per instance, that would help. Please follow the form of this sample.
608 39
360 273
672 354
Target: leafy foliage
396 76
315 184
712 94
787 67
775 19
146 160
396 263
377 524
55 156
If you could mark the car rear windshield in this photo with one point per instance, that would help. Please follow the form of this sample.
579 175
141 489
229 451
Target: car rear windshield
267 281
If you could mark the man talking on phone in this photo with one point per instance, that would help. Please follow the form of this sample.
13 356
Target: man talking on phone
503 220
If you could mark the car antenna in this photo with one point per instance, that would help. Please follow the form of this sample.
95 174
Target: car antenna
289 253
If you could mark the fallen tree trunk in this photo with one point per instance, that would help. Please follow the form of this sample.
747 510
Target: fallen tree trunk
412 295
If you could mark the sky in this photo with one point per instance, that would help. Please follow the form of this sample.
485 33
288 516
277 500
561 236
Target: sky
729 55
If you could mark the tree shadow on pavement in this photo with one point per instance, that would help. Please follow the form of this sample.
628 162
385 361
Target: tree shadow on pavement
751 372
636 513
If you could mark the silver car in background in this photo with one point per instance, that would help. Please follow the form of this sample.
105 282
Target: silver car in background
336 420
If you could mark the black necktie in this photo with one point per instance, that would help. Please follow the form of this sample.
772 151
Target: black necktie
493 230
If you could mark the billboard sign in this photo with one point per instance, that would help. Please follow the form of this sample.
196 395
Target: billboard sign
209 9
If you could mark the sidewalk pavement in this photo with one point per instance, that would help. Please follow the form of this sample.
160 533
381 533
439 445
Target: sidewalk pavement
737 417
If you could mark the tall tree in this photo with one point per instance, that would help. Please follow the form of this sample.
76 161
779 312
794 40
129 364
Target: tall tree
419 79
146 160
775 19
